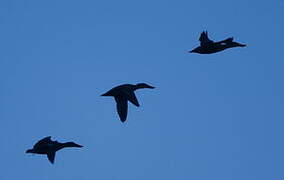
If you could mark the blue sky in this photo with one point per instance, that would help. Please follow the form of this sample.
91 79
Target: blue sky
217 117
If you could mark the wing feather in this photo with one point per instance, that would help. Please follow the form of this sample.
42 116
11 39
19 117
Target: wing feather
132 98
121 106
43 141
204 40
51 156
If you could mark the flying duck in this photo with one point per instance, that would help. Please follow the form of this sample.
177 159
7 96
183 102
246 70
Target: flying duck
49 147
207 46
124 93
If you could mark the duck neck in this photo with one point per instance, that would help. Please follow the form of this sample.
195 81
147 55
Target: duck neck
62 145
138 86
68 144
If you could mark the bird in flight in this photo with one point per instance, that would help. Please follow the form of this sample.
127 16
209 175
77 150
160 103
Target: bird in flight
49 147
124 93
207 46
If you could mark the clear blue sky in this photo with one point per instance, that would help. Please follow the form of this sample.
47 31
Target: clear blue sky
211 117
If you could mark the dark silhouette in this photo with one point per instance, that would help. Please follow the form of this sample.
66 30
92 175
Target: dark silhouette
208 46
49 147
124 93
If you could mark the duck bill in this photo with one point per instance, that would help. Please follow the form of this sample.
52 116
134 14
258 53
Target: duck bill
78 145
236 44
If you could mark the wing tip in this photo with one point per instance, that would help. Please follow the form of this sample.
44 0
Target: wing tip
123 121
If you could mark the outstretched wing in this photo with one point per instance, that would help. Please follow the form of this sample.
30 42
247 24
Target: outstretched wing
204 40
51 156
128 93
121 106
132 98
43 141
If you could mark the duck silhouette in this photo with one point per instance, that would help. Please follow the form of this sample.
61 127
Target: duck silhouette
49 147
208 46
124 93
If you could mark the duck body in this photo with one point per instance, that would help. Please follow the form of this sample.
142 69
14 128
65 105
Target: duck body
208 46
49 147
122 90
124 93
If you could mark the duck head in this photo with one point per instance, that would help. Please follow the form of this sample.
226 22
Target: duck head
72 144
143 85
236 44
